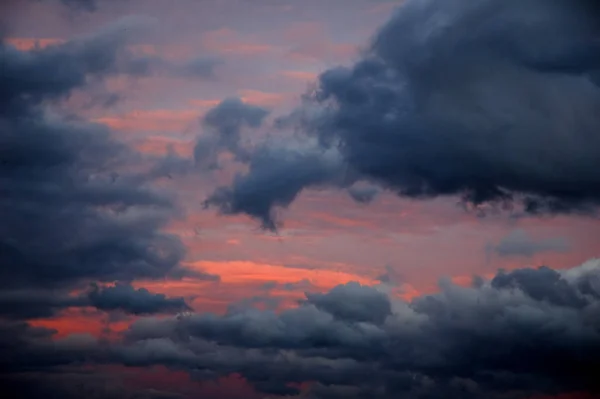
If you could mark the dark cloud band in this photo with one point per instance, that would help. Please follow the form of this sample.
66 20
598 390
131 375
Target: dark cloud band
525 332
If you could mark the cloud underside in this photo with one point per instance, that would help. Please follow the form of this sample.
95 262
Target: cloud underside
495 102
525 332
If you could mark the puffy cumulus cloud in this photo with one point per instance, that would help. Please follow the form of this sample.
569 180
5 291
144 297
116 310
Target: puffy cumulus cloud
141 301
224 124
493 101
525 332
519 243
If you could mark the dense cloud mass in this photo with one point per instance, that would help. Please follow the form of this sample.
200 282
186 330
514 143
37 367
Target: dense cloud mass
494 101
525 332
65 216
75 204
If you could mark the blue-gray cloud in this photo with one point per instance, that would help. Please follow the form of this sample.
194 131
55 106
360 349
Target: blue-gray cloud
526 332
494 101
223 125
139 301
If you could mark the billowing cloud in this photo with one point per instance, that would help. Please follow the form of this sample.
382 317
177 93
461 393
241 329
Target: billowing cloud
519 243
493 340
495 102
77 204
525 332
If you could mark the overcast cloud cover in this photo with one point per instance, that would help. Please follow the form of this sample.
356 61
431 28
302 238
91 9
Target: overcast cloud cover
493 103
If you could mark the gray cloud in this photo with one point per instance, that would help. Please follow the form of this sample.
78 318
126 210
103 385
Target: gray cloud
78 206
224 124
363 194
141 301
66 219
353 302
277 176
525 332
495 102
519 243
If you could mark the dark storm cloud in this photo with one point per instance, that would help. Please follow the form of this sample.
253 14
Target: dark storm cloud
29 304
224 124
141 301
525 332
493 101
65 217
76 206
529 331
519 243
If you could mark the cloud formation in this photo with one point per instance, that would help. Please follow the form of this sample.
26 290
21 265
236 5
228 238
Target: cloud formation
504 338
77 205
525 332
494 101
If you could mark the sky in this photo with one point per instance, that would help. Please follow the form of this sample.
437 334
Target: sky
300 199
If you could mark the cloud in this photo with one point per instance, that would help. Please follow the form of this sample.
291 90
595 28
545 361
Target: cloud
224 123
525 332
363 194
30 304
353 302
141 301
494 102
277 176
199 67
519 243
82 5
496 340
75 205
